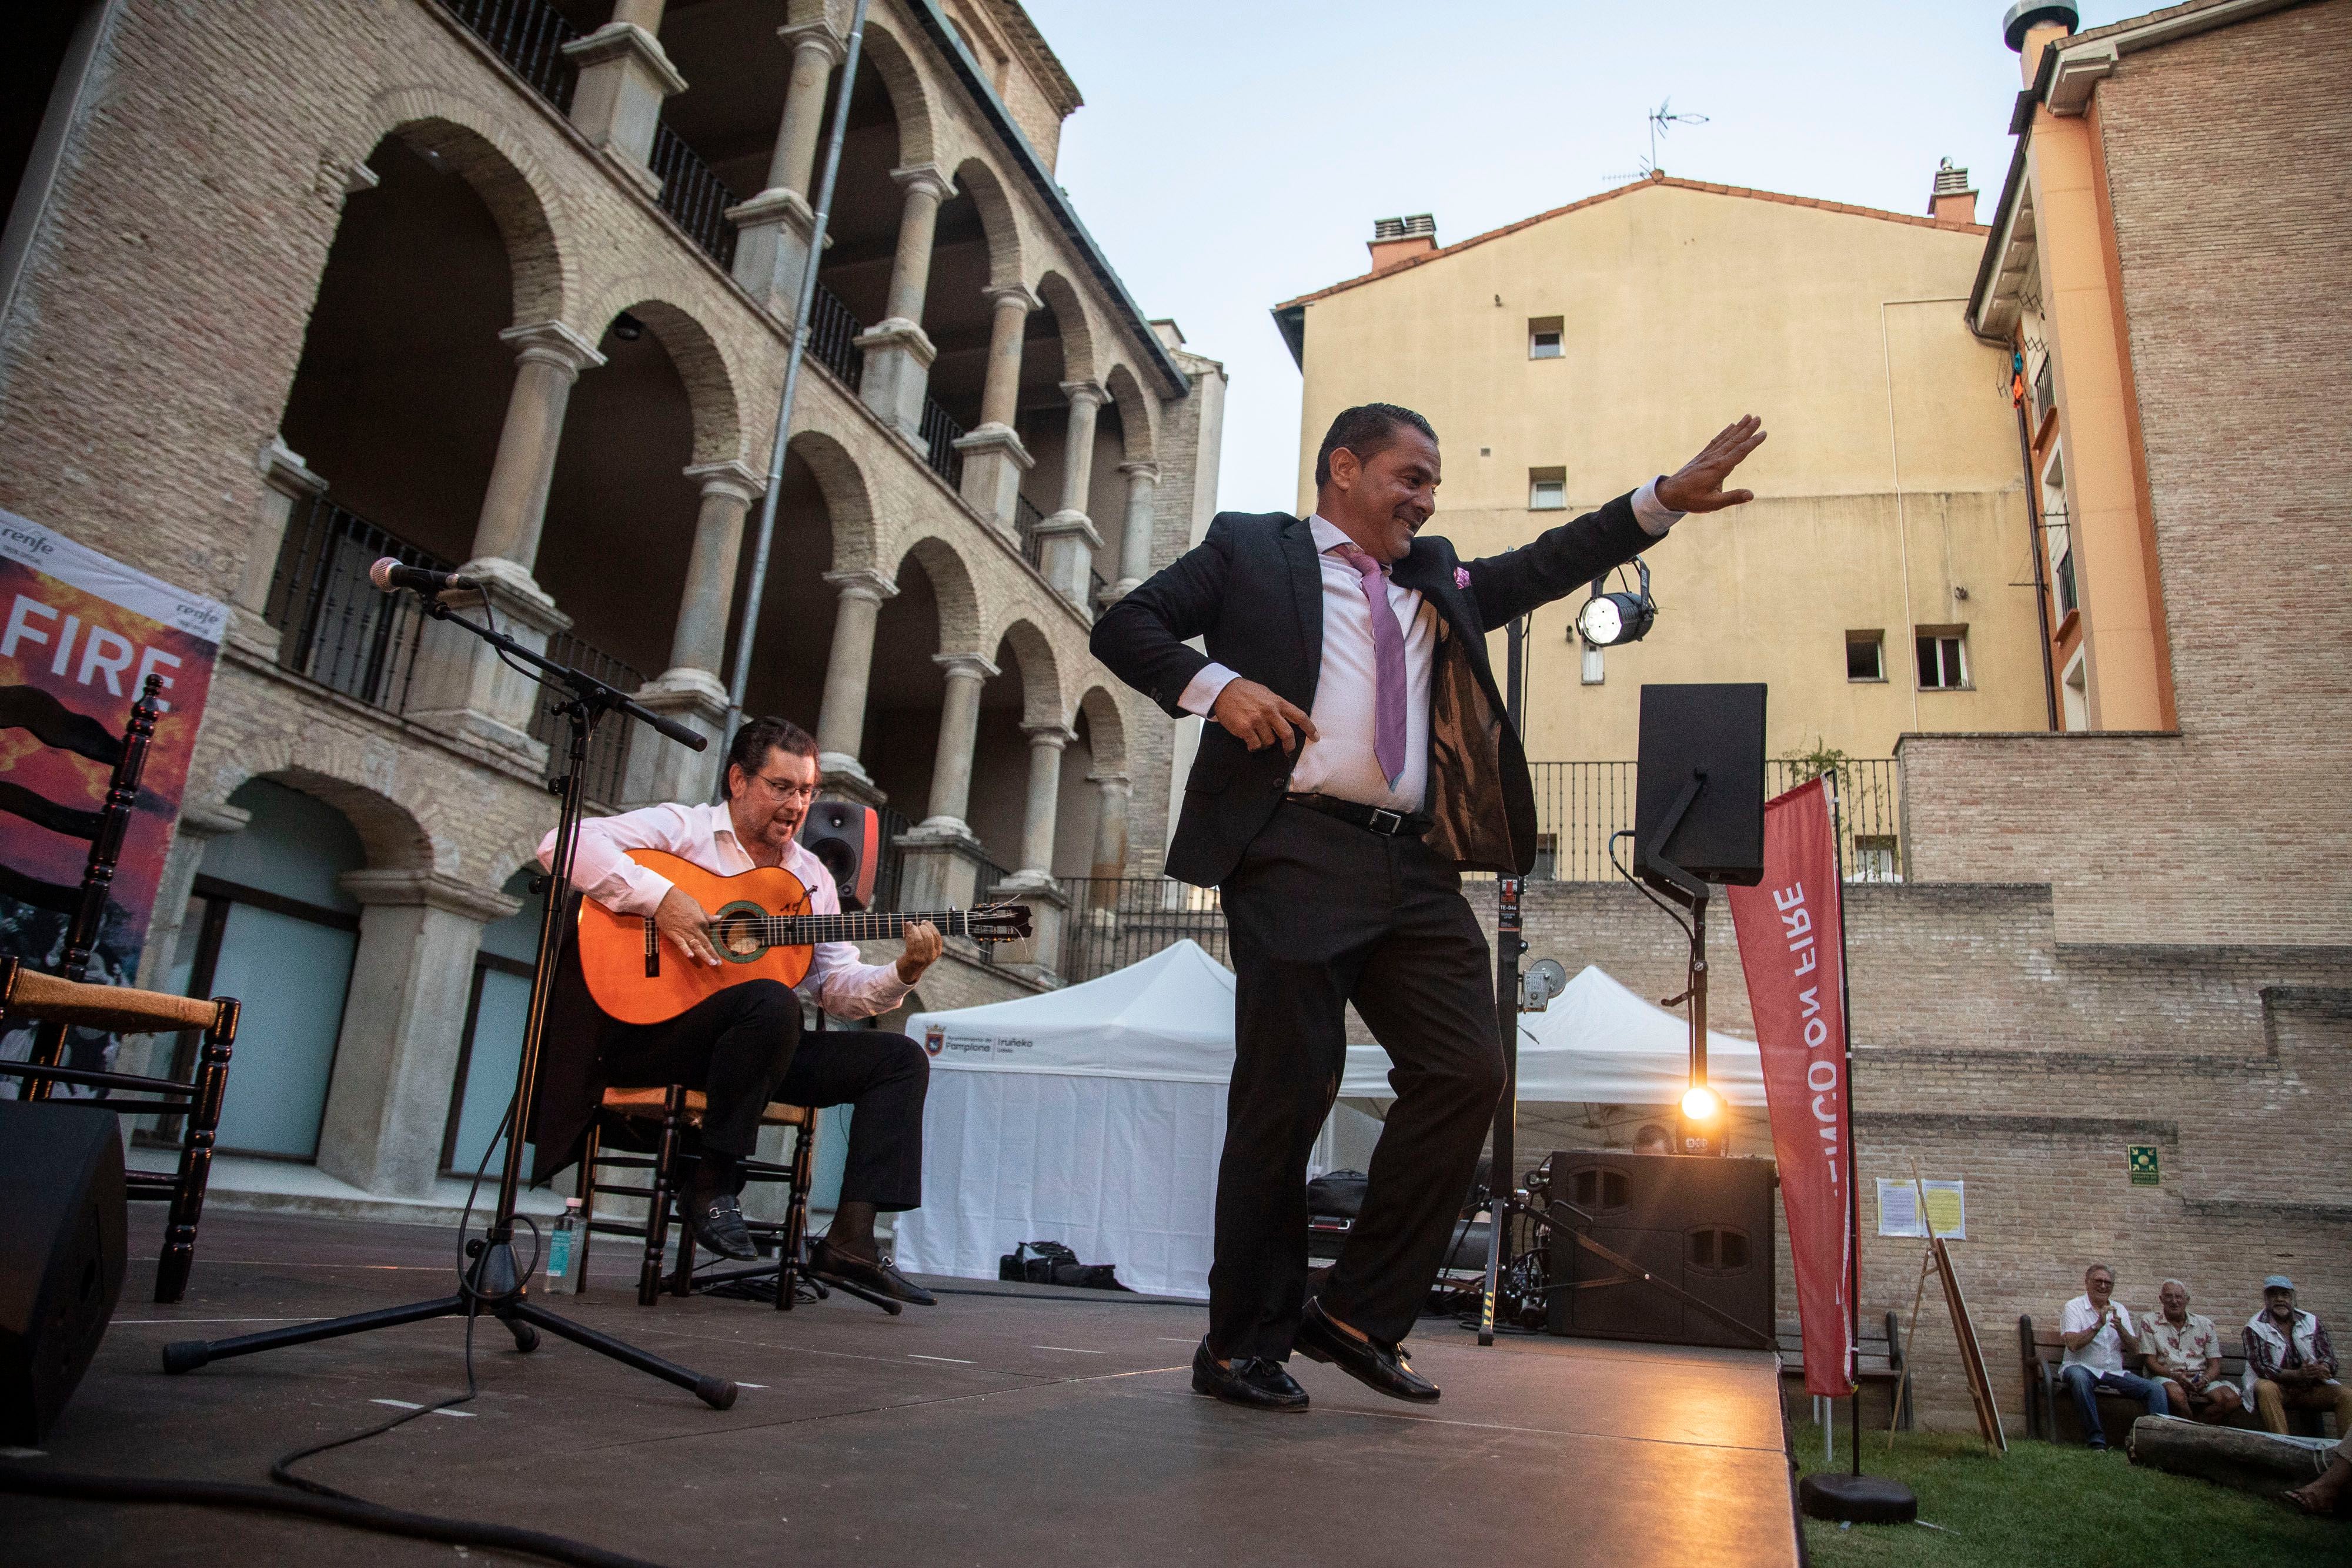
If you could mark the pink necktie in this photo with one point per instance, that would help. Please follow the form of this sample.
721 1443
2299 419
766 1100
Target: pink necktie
1388 660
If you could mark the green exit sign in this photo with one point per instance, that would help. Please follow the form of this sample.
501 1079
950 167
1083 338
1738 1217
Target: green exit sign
2141 1160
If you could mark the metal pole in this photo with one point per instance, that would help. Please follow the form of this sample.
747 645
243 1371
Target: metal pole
1501 1181
766 535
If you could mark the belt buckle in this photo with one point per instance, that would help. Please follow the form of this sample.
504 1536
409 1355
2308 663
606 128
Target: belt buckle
1392 827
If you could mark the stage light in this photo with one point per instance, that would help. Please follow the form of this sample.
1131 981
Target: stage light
1701 1103
1608 619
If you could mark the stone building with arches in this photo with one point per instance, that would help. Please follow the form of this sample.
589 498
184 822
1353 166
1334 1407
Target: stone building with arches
507 285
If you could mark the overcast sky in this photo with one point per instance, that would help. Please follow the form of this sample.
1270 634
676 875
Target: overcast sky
1233 155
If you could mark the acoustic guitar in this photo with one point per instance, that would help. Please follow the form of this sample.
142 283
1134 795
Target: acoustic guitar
759 924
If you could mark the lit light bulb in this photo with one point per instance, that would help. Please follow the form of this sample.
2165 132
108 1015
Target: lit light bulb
1701 1103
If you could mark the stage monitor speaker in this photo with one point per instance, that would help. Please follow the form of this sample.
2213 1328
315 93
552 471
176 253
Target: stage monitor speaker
61 1192
847 837
1717 730
1701 1222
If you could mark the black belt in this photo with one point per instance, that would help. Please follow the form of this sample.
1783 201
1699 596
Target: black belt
1374 818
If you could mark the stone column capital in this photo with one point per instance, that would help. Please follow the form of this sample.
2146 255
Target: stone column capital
965 666
431 889
864 584
552 343
1147 471
1091 393
815 37
626 41
213 819
1111 783
732 479
1054 735
1000 295
925 179
285 473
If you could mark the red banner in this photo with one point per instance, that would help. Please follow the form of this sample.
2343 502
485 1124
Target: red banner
1791 945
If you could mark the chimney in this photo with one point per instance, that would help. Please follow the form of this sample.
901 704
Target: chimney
1396 240
2033 26
1953 201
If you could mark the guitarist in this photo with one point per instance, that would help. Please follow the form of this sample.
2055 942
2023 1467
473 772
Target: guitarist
743 1046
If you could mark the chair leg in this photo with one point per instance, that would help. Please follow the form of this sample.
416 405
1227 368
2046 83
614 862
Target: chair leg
789 1264
196 1140
649 1274
681 1278
584 1189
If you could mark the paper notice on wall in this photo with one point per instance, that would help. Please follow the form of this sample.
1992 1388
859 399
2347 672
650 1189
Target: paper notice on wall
1898 1208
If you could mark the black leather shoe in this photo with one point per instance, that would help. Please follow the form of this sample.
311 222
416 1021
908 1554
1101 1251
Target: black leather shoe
882 1276
1381 1368
1251 1382
717 1222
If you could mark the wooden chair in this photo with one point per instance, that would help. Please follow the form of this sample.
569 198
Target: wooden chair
675 1109
61 1004
26 993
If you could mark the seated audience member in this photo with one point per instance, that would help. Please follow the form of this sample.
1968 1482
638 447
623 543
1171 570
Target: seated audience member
2290 1365
1654 1139
2095 1330
2184 1349
2325 1495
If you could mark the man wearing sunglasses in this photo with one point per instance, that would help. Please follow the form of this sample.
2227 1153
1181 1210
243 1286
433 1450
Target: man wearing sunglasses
744 1046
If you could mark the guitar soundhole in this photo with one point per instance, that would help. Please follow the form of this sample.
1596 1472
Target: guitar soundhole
736 932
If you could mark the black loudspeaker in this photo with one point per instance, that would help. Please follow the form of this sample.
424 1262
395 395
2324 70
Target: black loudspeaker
61 1223
1701 1222
1717 730
847 837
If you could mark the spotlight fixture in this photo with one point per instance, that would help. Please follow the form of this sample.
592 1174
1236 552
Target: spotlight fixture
628 328
1701 1103
1608 619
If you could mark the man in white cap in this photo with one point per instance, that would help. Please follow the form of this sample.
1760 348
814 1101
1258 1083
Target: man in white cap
2290 1365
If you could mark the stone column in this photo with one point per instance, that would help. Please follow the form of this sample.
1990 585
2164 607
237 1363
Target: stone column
897 355
397 1062
841 720
286 486
1069 535
1111 793
1034 883
624 75
690 690
461 687
1135 540
994 457
942 855
773 228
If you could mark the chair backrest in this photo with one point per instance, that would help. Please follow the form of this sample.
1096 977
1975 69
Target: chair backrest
56 725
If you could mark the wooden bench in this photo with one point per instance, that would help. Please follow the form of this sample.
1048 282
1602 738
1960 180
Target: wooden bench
1880 1365
2050 1405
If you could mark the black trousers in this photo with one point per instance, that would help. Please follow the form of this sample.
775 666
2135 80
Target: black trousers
1322 914
744 1047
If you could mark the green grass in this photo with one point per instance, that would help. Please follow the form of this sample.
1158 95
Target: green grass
2044 1504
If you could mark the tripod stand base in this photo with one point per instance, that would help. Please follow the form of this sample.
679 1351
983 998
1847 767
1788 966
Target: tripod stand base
1857 1500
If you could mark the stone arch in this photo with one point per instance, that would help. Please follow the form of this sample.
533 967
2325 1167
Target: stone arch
1136 412
702 365
367 784
951 585
848 503
1041 671
910 99
1105 729
1006 264
481 148
1077 330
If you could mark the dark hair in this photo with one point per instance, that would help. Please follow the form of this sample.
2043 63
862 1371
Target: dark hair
1366 430
756 739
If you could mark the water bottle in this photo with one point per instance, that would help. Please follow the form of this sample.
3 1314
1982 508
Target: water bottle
560 1246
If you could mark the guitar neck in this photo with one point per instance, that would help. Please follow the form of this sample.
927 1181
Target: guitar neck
801 930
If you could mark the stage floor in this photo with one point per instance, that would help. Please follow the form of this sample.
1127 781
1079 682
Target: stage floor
1003 1426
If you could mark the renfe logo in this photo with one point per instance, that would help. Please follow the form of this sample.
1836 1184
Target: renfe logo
935 1038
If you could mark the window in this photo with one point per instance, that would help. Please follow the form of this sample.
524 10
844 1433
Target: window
1546 489
1865 655
1547 867
2074 689
1943 658
1544 338
2056 534
1874 858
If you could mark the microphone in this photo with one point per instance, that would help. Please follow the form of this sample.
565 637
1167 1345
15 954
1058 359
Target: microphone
391 573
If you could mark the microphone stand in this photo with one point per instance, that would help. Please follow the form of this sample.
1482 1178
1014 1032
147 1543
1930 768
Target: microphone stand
494 1282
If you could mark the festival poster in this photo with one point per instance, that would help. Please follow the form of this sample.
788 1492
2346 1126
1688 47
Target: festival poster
1792 947
78 635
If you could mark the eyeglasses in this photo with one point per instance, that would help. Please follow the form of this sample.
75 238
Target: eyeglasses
783 791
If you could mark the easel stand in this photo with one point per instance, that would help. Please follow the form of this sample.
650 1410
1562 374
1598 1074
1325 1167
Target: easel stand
494 1282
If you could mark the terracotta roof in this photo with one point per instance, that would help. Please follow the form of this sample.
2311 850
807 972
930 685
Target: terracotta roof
1665 180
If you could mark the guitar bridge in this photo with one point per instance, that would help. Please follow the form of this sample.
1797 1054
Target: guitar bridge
653 949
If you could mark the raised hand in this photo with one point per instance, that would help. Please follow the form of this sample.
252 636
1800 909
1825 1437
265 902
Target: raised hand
1698 485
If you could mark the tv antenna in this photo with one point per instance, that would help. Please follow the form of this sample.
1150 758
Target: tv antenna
1661 120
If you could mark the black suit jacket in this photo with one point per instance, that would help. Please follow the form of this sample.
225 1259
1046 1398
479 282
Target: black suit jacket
1253 590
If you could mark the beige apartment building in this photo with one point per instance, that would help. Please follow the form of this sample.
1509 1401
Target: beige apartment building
1880 582
505 283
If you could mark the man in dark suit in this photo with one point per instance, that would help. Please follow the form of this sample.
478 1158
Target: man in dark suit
1358 761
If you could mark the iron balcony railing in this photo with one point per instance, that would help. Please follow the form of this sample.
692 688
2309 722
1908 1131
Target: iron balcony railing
1117 921
608 747
530 36
1580 805
692 195
334 626
832 337
1027 520
940 433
